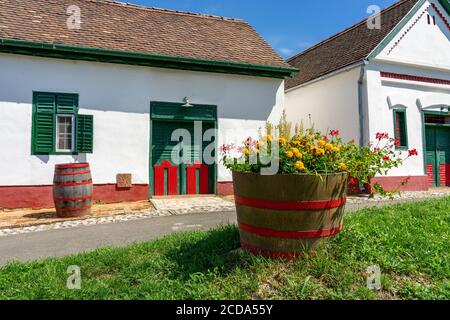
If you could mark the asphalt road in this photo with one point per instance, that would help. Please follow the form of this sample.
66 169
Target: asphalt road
60 243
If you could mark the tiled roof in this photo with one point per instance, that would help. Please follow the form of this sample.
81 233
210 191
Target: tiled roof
347 47
112 25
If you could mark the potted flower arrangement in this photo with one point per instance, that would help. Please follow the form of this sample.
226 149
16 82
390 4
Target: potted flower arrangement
287 208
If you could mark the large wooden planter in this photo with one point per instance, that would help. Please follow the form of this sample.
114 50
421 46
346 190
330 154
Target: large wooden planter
282 216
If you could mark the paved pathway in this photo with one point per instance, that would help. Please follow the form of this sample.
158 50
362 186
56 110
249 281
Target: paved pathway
59 243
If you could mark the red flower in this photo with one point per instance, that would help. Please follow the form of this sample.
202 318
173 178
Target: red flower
413 152
382 136
226 148
334 133
387 158
325 138
397 143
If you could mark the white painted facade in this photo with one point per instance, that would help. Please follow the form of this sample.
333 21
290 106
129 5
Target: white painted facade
119 97
420 49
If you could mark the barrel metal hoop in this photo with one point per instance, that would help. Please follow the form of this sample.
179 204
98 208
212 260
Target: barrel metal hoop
290 205
72 173
73 184
310 234
72 199
73 165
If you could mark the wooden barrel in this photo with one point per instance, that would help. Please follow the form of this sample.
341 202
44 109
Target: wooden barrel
72 190
282 216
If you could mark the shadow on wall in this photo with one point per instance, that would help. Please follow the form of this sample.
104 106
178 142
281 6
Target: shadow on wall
75 158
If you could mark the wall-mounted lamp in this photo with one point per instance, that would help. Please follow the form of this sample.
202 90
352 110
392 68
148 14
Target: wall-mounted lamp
187 103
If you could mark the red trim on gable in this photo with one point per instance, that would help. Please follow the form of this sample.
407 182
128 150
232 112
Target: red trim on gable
408 77
441 15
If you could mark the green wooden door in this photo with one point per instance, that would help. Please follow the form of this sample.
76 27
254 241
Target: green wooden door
431 157
443 155
165 119
438 154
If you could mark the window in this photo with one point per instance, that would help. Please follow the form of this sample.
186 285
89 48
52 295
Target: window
400 129
437 119
57 126
64 133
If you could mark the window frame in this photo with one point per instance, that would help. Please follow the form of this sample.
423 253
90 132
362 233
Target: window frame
73 141
55 114
402 132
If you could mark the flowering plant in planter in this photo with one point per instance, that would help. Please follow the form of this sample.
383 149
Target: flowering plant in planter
290 208
312 152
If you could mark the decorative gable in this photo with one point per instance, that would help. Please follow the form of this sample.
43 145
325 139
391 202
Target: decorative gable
423 39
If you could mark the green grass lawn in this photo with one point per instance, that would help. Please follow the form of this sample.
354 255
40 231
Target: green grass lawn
409 242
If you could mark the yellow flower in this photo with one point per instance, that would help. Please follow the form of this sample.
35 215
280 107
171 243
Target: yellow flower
300 165
320 152
289 154
329 147
337 149
297 153
283 141
296 143
342 166
256 151
269 138
321 143
246 151
259 144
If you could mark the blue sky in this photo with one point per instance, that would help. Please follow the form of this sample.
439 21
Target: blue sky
290 26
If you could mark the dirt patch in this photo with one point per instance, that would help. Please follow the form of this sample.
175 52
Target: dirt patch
28 217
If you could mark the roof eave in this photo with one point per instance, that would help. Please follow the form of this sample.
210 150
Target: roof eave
62 51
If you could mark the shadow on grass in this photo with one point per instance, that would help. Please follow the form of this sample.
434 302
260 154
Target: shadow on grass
211 254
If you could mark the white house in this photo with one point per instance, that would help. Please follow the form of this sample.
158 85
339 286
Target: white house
393 79
107 82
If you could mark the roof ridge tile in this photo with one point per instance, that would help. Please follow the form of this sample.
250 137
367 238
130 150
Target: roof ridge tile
168 11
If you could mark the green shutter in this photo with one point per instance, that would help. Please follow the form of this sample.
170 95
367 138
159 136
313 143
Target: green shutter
67 104
85 133
43 141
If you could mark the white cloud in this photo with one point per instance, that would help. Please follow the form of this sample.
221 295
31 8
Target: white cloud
286 51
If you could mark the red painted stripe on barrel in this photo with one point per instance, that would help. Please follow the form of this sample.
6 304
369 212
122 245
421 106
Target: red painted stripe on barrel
290 234
72 173
269 253
73 199
72 184
73 165
73 209
290 205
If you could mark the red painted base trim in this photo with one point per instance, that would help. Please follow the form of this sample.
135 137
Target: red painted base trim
39 197
411 183
225 189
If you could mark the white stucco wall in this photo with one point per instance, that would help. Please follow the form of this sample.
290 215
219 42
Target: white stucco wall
385 94
331 103
119 97
419 49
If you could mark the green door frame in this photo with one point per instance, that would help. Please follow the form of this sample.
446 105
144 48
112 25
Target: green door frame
213 118
424 139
